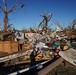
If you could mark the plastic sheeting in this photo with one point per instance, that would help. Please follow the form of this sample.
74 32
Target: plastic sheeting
41 45
69 55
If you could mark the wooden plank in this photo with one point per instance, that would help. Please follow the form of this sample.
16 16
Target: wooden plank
29 61
3 54
22 62
29 68
15 55
45 70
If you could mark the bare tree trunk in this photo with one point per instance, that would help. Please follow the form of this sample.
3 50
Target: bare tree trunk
46 23
4 10
46 26
5 22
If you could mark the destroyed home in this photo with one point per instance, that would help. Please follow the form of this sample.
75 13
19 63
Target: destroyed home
37 50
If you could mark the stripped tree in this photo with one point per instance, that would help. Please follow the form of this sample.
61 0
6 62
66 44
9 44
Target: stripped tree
6 12
74 24
44 23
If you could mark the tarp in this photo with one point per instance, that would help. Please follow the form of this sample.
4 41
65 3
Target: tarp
19 35
69 55
41 45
